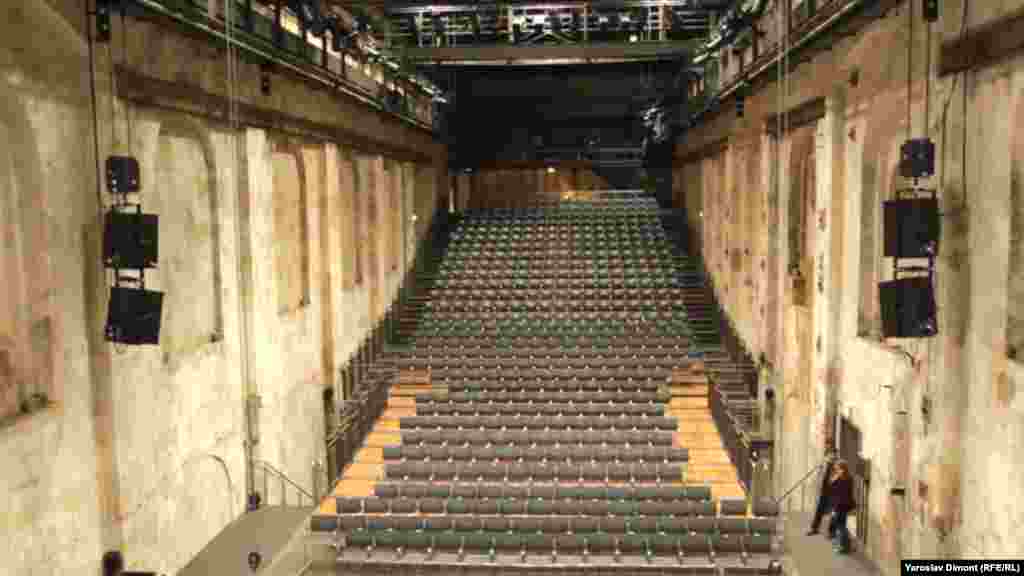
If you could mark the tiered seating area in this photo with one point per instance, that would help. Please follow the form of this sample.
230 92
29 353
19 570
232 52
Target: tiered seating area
552 412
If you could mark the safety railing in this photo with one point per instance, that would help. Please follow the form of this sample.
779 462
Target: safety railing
366 380
356 418
258 30
276 483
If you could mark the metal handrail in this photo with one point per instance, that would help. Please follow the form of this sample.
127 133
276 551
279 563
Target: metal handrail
800 482
240 39
285 480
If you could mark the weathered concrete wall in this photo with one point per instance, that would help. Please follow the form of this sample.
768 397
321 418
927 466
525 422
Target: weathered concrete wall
519 187
142 448
948 426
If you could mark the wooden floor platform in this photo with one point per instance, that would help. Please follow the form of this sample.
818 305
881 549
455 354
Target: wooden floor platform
709 462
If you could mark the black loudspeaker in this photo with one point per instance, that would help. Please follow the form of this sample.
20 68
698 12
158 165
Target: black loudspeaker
113 563
917 158
911 227
122 174
308 12
133 316
130 240
908 308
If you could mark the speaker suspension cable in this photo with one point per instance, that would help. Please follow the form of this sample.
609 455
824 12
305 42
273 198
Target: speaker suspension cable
910 65
124 64
95 111
927 78
235 190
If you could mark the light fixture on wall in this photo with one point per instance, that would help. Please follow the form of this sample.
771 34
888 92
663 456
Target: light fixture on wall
265 79
102 14
930 9
551 169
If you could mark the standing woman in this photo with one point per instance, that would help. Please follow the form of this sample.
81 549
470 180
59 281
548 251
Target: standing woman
841 499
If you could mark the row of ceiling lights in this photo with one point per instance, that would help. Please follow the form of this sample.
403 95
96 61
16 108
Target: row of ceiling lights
607 20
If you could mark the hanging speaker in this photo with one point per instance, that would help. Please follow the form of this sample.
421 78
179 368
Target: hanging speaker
122 174
113 563
130 240
133 316
908 308
917 158
911 228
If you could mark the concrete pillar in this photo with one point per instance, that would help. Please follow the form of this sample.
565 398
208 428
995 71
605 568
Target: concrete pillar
586 22
663 15
258 224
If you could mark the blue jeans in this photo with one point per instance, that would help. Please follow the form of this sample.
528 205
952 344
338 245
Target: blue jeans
838 530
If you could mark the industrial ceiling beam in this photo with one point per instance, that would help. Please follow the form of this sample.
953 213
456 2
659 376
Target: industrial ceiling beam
547 54
393 5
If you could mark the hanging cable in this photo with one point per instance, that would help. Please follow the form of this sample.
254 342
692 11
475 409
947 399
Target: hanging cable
124 63
113 97
233 141
927 78
910 63
95 111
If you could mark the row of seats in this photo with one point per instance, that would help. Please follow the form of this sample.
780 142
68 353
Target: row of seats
548 524
641 344
412 360
582 242
540 397
556 361
614 264
677 330
569 453
570 269
546 409
538 423
549 306
522 315
555 324
688 513
482 350
568 292
631 438
537 472
600 254
611 492
512 383
462 260
604 373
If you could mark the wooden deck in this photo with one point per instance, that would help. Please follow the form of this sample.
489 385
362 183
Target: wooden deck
709 462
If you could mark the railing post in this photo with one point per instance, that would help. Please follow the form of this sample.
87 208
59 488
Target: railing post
316 481
760 456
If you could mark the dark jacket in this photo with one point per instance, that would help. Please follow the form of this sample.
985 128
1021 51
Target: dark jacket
840 494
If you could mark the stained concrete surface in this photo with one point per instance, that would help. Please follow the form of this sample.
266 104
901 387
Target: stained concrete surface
267 531
937 417
813 556
143 449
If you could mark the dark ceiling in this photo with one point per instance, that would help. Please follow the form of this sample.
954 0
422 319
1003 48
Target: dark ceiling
517 113
425 24
526 77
